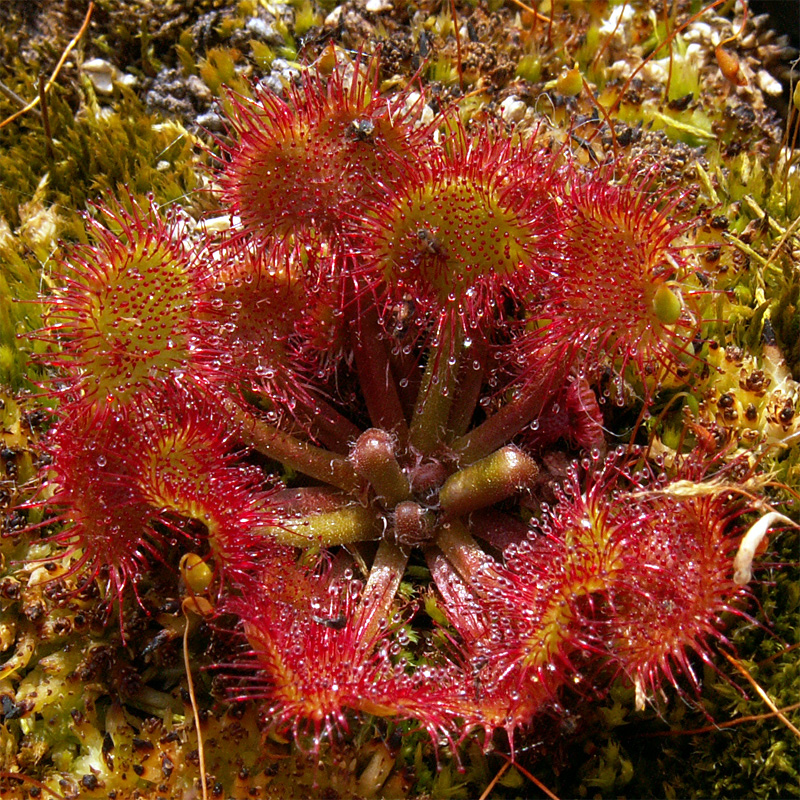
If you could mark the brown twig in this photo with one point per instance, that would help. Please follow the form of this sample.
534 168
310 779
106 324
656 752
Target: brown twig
673 33
599 106
189 680
36 100
536 15
494 780
731 723
532 778
778 655
15 98
26 778
764 696
610 36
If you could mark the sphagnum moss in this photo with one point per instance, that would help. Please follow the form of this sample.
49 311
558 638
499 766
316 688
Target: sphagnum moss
422 460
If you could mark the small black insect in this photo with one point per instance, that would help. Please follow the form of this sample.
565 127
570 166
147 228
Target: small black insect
429 243
362 130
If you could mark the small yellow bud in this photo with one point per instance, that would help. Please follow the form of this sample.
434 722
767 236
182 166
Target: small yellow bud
196 573
570 81
667 305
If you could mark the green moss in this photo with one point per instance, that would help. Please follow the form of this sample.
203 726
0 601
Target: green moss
756 758
529 68
306 17
263 55
96 150
218 71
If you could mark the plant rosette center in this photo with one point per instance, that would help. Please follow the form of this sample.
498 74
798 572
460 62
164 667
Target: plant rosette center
417 500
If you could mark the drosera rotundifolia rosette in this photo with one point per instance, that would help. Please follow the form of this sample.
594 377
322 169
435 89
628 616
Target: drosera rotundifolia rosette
356 401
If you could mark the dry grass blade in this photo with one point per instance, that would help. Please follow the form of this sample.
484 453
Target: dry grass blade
190 681
764 696
493 783
51 80
532 778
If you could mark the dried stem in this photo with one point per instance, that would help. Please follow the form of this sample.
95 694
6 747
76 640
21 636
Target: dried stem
36 100
764 696
190 681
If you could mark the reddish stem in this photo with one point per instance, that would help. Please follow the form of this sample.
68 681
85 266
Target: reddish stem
462 551
313 461
470 383
375 376
329 426
384 579
498 429
373 458
497 529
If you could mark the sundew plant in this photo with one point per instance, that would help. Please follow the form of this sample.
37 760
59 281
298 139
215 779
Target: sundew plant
390 420
361 371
